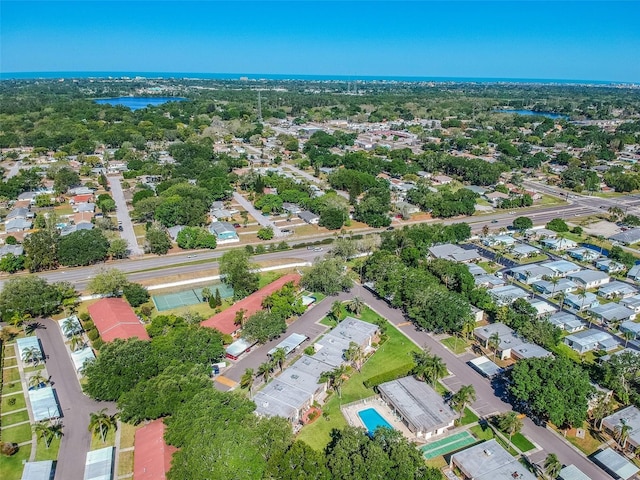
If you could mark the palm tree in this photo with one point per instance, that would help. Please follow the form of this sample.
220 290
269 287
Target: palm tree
336 310
582 293
602 408
264 370
279 356
430 367
48 431
36 380
247 379
335 378
468 325
623 430
239 318
355 355
101 422
206 294
554 281
510 423
628 335
494 343
77 343
552 465
355 305
71 326
462 398
31 354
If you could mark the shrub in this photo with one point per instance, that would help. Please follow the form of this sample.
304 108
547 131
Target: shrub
84 317
88 325
310 350
12 401
388 376
97 343
93 334
8 448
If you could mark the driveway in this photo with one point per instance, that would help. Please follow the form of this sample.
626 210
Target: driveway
122 212
261 219
74 405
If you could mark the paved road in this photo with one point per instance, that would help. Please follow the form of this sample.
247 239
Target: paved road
261 219
14 170
122 212
310 178
75 406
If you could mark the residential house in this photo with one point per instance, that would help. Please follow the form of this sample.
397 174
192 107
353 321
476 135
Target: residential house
634 273
524 251
309 217
476 270
454 253
511 345
224 232
583 254
631 417
442 179
488 281
589 279
566 321
609 266
627 237
547 287
588 340
539 233
84 198
420 407
507 294
531 273
84 207
612 313
496 197
292 208
6 249
582 301
542 307
489 461
174 231
562 268
80 191
19 213
558 244
615 464
630 327
499 240
617 289
114 318
631 302
17 225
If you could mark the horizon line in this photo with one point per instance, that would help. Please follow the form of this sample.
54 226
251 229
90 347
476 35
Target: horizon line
105 74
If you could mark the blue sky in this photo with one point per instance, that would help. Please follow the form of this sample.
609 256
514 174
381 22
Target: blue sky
525 39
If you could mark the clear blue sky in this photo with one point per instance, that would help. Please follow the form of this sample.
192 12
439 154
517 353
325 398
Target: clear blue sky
524 39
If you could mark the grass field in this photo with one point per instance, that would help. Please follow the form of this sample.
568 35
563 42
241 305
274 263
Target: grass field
17 417
10 375
7 403
44 453
8 388
110 441
11 467
522 443
127 434
18 434
469 417
587 445
395 352
125 463
485 432
456 344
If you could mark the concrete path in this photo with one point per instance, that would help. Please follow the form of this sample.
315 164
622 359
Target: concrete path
74 405
124 219
261 219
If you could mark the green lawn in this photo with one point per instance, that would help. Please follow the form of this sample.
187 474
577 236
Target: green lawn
10 362
10 375
468 417
522 442
110 440
485 432
17 417
127 434
44 453
267 277
394 353
7 403
11 387
490 266
568 352
19 434
455 344
11 467
125 463
329 322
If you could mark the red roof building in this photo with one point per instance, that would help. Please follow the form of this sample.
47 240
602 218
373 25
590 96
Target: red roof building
114 318
224 321
151 455
85 198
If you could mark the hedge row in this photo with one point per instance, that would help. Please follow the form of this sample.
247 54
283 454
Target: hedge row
388 376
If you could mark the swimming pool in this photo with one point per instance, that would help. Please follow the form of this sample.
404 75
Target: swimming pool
372 420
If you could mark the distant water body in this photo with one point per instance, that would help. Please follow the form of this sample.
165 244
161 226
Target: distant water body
531 113
136 103
259 76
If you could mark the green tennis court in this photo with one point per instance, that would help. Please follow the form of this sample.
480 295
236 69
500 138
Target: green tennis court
188 297
447 445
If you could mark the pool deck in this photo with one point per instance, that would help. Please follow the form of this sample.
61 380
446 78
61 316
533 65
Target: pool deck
350 413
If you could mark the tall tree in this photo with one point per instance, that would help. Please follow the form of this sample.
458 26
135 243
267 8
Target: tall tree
552 465
509 423
108 281
100 423
462 398
48 431
247 379
239 273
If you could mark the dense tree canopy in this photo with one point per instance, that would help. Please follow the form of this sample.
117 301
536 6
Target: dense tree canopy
84 247
33 296
236 271
327 276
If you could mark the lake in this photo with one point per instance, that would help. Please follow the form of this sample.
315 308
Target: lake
136 103
531 113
